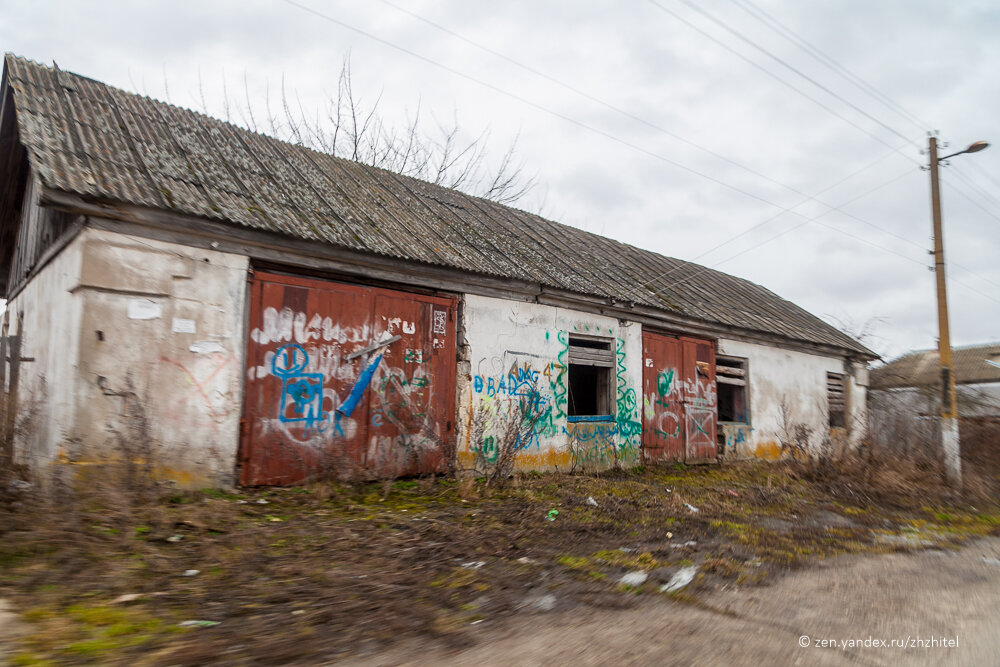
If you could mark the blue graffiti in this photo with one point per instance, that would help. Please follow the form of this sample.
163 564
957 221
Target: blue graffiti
301 393
519 381
358 390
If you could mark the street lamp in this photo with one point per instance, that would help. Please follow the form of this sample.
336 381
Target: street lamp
949 408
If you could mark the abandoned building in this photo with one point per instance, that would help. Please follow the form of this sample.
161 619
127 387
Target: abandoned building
912 383
262 313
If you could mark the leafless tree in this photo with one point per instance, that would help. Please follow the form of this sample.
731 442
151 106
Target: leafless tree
351 127
863 332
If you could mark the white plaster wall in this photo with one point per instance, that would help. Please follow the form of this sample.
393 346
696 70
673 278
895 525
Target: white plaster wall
532 339
798 380
145 348
978 400
46 314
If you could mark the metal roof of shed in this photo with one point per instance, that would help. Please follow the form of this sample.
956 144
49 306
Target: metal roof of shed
105 144
973 364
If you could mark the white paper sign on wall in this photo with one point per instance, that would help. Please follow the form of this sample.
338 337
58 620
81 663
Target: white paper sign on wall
183 326
144 309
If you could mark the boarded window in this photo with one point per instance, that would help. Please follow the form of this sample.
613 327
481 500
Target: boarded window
590 386
835 398
731 376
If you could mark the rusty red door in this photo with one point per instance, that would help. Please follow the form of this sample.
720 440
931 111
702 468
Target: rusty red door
329 390
700 406
678 399
662 409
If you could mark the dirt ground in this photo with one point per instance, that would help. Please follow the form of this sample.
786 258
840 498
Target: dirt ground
115 574
916 603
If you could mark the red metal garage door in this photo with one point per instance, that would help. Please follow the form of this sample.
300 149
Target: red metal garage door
700 406
662 399
678 399
345 381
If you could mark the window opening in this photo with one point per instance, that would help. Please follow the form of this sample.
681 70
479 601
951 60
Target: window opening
590 387
835 398
731 379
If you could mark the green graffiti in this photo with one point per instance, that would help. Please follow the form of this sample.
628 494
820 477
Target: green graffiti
665 382
650 411
556 373
488 449
629 428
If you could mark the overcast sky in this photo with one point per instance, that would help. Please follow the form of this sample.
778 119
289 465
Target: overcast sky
687 135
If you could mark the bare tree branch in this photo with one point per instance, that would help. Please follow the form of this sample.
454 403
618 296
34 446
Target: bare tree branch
350 127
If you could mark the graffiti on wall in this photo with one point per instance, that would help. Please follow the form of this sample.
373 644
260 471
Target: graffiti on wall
514 402
662 408
312 367
556 374
301 392
627 415
699 427
525 383
737 439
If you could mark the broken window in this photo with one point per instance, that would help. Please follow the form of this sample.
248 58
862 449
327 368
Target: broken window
731 379
835 399
590 388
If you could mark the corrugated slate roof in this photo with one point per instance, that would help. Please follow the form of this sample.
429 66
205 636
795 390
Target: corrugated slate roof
922 369
99 142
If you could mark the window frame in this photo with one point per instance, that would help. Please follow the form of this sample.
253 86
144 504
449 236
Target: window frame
596 352
723 361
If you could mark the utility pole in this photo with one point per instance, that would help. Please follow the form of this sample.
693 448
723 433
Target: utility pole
949 412
949 407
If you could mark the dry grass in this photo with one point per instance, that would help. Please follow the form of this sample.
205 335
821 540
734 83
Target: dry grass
307 574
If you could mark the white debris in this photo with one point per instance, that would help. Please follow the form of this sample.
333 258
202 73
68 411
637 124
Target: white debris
691 508
637 578
474 564
683 545
261 501
197 624
191 573
544 603
681 578
175 538
591 501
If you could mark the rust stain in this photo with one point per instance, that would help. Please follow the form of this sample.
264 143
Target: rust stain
550 458
94 470
768 450
547 459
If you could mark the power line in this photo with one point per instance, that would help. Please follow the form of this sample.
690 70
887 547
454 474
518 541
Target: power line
594 129
588 96
544 109
982 170
839 231
773 75
780 213
975 203
658 128
791 68
780 234
789 34
534 105
978 189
